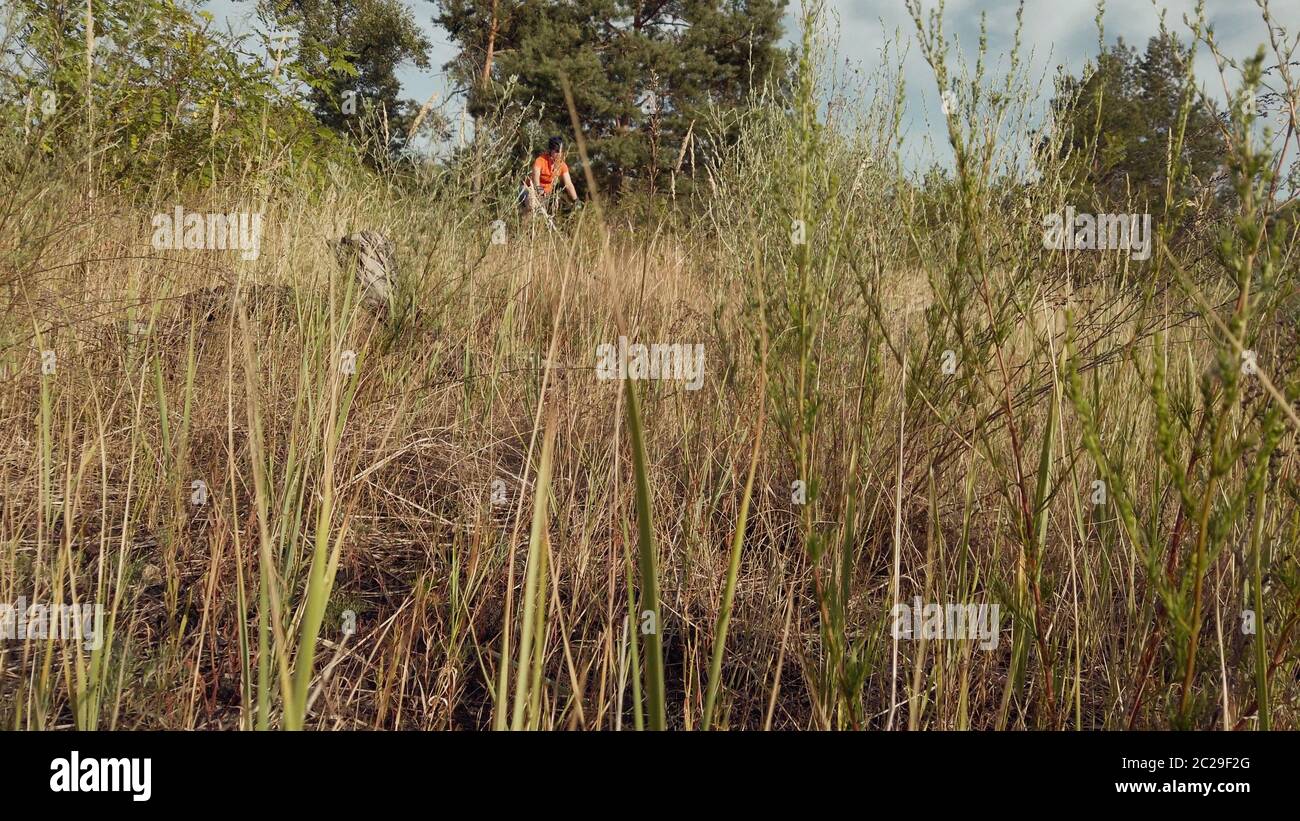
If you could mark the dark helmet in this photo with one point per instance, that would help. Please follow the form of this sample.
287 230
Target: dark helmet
554 144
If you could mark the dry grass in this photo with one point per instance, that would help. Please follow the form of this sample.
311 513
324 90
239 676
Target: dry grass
985 474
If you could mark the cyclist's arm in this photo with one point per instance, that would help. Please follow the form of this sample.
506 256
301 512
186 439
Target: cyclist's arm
568 186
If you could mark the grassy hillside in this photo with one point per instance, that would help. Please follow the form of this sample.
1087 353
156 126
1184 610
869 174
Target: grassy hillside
297 511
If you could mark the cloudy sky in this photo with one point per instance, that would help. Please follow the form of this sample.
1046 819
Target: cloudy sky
1056 32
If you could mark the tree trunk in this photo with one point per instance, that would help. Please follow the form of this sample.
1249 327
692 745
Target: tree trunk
491 45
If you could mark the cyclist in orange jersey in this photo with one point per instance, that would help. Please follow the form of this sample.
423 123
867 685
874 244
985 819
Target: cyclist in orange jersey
548 168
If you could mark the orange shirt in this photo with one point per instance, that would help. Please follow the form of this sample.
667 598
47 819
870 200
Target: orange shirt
549 172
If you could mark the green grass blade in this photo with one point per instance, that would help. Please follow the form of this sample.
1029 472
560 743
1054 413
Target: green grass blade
532 588
649 564
729 590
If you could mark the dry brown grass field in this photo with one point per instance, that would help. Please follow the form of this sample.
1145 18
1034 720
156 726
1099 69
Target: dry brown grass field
297 511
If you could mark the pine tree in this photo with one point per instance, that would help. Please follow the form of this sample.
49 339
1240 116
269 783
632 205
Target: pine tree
1118 120
640 72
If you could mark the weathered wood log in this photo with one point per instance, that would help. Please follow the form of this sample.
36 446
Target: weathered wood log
372 256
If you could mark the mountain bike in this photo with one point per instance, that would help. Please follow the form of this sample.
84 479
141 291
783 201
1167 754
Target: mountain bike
552 209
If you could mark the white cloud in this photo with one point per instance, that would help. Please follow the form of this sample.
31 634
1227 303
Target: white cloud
1055 33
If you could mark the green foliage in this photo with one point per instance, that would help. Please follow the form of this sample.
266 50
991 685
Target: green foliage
168 97
346 55
641 75
1119 120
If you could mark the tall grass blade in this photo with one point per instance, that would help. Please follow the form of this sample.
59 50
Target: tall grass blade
651 625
